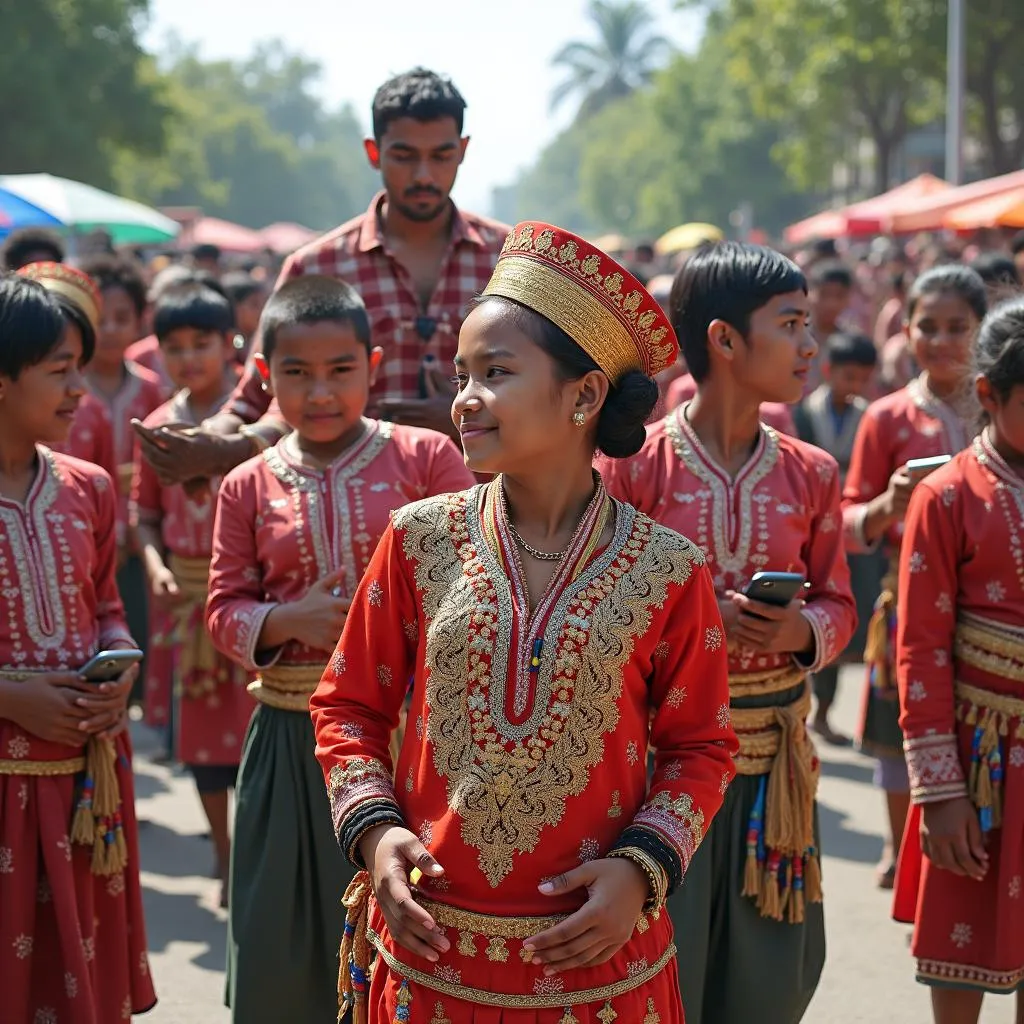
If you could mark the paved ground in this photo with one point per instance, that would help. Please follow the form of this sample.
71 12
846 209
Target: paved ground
868 978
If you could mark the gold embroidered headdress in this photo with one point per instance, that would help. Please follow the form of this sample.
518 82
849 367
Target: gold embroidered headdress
598 303
75 286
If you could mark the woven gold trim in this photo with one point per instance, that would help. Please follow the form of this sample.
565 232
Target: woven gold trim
1008 707
193 576
287 687
487 924
759 735
985 644
482 997
758 684
70 766
581 315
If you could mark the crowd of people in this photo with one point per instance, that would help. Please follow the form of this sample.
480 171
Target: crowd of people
452 555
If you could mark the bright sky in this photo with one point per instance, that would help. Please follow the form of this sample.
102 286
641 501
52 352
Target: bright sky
498 54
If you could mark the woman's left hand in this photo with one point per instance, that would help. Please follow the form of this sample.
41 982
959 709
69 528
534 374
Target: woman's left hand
107 705
617 890
770 629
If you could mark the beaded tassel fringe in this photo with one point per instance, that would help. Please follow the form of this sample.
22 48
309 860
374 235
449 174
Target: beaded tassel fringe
354 973
97 819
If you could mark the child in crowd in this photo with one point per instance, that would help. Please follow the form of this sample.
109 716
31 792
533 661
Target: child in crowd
828 418
248 296
830 291
295 529
960 650
935 414
174 534
129 392
146 351
72 935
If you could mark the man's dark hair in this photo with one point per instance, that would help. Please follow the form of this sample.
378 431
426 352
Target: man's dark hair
831 272
848 348
726 281
238 285
117 272
419 94
193 305
996 269
31 324
312 299
25 243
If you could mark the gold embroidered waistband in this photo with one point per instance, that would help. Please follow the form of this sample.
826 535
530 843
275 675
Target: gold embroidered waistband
487 925
760 732
757 684
532 1001
1000 705
69 766
990 646
287 687
193 576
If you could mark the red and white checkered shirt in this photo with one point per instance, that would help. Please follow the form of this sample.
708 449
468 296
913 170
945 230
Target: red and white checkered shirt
358 254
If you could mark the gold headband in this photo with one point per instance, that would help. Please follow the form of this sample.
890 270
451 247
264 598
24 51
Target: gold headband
81 298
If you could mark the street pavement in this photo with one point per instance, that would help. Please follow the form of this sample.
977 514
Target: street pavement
868 976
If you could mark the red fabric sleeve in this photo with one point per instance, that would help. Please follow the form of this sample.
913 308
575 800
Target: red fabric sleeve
868 476
691 734
928 585
111 624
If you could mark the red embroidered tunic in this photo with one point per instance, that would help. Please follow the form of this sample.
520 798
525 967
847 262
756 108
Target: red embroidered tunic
962 579
509 775
214 707
779 514
92 435
72 944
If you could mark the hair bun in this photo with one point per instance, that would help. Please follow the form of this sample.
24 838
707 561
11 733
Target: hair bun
620 427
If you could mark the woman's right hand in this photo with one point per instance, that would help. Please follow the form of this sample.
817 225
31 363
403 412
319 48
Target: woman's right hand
897 495
390 852
951 837
45 705
165 589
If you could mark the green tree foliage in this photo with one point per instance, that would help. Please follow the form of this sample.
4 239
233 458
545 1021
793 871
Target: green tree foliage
74 85
624 57
250 142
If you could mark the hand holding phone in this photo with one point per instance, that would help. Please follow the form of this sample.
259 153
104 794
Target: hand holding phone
108 666
775 588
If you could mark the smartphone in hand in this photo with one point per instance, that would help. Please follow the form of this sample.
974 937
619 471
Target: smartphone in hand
107 666
774 588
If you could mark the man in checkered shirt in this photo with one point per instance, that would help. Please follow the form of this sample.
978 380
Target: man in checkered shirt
413 256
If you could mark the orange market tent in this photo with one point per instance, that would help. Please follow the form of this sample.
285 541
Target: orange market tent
1006 209
214 231
867 217
286 237
929 213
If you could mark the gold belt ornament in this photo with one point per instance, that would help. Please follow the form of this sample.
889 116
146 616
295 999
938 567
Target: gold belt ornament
990 646
198 661
96 820
760 684
287 687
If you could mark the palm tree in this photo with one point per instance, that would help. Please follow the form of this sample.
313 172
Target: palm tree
624 58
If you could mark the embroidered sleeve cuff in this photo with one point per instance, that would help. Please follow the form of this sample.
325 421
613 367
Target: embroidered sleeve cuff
824 651
933 763
654 845
250 624
853 526
114 634
362 795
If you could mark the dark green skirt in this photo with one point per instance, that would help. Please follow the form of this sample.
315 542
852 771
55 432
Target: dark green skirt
735 966
288 875
134 591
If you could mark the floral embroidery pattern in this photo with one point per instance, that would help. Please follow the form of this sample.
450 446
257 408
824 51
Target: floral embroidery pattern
23 946
18 746
961 935
713 638
589 850
6 860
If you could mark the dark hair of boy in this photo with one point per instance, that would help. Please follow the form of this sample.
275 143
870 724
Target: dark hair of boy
831 272
312 299
116 272
725 281
31 324
32 245
206 251
238 285
994 268
192 305
848 348
419 94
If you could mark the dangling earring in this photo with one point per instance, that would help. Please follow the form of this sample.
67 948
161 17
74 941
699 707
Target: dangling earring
579 419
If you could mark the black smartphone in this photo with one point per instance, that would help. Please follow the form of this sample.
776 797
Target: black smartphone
107 666
776 588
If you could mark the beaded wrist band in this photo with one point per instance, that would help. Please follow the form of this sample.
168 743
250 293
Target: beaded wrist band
638 837
656 877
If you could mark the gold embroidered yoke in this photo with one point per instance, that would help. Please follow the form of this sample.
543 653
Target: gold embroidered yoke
510 775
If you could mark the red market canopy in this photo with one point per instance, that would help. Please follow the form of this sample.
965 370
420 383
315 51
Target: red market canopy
867 217
286 237
1005 210
222 233
929 213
